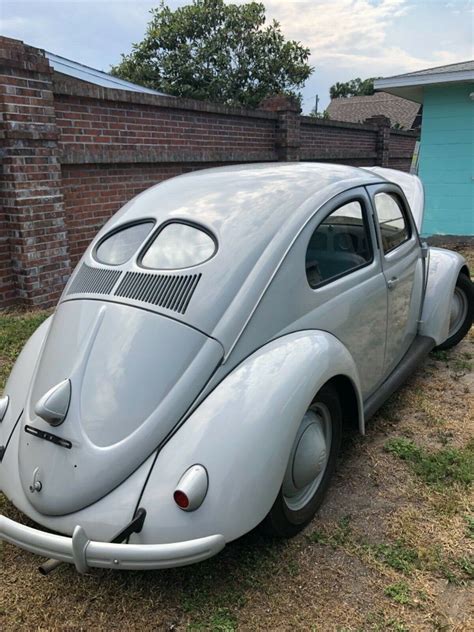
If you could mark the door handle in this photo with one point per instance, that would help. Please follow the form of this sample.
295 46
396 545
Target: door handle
391 283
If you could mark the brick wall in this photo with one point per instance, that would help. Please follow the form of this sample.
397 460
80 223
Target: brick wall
401 146
74 153
7 279
92 193
338 142
34 233
85 124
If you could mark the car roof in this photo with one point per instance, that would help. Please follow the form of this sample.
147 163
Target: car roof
255 211
229 200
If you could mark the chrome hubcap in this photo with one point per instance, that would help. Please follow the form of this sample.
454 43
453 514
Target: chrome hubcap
308 458
459 308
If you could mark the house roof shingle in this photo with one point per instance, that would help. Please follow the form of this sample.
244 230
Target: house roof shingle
358 109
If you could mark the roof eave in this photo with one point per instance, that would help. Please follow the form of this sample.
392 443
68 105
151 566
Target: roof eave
411 87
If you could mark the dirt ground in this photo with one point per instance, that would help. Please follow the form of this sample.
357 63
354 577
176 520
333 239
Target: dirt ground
391 549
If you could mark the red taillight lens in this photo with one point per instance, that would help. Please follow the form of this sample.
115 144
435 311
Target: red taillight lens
181 499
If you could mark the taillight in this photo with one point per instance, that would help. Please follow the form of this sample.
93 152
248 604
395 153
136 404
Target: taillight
181 499
192 488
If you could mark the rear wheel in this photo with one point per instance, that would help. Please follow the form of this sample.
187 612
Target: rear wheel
310 466
462 311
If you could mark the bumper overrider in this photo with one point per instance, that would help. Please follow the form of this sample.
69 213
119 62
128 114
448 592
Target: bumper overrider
85 553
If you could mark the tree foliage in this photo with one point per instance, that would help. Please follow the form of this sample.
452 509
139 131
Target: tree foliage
320 115
216 51
354 88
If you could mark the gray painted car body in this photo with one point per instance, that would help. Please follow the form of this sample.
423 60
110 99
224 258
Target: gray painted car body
224 383
254 212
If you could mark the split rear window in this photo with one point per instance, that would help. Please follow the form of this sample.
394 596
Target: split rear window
178 245
121 245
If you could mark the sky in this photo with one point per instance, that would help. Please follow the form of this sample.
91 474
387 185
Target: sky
347 38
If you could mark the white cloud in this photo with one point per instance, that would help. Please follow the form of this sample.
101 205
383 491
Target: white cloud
331 28
353 34
394 60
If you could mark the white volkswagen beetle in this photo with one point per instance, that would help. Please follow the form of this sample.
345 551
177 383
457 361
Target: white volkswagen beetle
211 344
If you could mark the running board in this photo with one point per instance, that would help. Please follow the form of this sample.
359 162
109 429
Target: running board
419 349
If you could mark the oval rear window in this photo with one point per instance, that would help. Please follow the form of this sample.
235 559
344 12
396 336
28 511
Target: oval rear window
178 246
123 244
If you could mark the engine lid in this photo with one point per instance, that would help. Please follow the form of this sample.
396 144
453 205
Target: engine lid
132 376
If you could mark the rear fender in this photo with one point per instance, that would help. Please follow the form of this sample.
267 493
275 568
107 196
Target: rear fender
242 433
443 271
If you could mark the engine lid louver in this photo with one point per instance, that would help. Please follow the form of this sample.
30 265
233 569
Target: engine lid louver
94 281
171 292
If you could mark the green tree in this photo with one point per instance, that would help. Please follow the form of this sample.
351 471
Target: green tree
354 88
321 115
216 51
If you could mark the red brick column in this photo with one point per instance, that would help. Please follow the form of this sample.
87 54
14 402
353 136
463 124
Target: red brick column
383 138
288 131
34 231
7 281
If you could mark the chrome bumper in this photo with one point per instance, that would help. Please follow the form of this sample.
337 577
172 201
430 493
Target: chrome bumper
85 553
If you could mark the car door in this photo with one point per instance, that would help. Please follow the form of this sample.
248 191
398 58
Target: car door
331 280
402 268
346 283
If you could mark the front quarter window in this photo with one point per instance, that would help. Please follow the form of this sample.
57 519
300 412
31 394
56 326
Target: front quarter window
178 245
394 228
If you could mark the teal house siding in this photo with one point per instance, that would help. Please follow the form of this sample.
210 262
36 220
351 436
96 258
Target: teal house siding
446 156
447 159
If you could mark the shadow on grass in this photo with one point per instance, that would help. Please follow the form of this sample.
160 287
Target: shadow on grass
207 595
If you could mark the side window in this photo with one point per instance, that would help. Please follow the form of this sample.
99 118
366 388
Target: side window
339 245
393 224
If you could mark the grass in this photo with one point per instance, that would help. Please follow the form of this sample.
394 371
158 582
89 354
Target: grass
399 592
462 365
378 622
337 536
458 362
466 564
442 356
439 467
469 526
399 556
223 620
